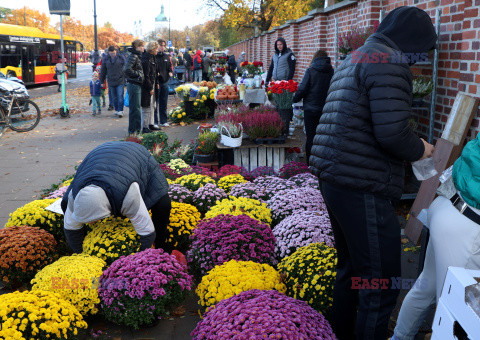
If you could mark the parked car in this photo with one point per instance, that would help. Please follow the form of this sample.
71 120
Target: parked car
9 84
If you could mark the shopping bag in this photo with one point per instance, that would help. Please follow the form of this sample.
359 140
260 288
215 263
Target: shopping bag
126 102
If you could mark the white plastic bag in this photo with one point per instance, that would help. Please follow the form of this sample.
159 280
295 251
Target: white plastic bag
424 169
227 80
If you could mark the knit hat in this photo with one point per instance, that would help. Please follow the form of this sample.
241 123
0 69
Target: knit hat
95 75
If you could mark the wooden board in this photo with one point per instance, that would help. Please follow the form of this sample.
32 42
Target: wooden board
447 150
253 158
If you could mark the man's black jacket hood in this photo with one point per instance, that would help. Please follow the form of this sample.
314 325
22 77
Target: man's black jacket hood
410 28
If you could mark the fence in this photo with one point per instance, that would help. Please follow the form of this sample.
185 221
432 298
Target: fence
459 48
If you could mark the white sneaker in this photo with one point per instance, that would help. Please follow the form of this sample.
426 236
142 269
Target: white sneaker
165 124
116 113
120 114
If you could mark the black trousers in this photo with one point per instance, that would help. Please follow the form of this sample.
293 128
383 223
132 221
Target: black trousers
311 119
367 238
161 219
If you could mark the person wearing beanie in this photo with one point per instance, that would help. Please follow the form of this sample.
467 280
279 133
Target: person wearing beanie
361 143
95 92
453 220
120 179
282 66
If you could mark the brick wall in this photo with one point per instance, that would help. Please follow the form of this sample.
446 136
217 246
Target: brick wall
459 49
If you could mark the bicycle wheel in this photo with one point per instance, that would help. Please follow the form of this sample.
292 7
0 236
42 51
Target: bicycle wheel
25 115
3 121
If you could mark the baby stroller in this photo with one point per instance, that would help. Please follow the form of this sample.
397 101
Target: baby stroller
172 84
178 72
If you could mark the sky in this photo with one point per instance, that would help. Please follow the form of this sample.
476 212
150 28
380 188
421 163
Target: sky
122 14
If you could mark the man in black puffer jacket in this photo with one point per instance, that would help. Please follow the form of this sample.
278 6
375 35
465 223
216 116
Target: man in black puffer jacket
119 179
361 141
134 75
313 90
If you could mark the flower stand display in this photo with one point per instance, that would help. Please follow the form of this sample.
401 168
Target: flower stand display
111 238
137 290
310 275
234 277
224 237
23 252
74 279
274 315
38 315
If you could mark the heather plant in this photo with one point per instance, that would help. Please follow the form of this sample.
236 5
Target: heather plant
293 168
263 125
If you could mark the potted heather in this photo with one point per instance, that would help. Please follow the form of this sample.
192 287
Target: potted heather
422 87
206 147
351 40
263 127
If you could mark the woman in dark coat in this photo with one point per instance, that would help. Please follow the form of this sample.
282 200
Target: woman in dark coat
148 87
313 90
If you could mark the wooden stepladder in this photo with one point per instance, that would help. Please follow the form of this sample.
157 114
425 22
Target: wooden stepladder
447 150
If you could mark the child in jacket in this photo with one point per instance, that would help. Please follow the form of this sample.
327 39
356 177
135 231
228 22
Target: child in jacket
95 92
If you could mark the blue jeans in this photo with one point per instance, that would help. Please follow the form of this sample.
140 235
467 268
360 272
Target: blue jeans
367 239
110 97
96 104
116 93
197 75
135 111
162 100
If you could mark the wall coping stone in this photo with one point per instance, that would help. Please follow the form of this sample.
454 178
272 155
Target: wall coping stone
305 18
339 5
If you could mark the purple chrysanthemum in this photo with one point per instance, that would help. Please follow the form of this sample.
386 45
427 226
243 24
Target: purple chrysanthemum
206 197
179 193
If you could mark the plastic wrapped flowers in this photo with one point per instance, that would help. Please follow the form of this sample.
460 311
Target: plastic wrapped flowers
234 277
38 315
227 182
194 181
23 252
301 229
180 194
34 214
311 275
74 279
138 289
241 206
111 238
183 219
287 202
207 196
262 314
227 237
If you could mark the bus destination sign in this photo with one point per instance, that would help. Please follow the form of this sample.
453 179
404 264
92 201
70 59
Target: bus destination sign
15 38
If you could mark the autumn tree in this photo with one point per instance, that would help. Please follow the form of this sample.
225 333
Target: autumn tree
28 17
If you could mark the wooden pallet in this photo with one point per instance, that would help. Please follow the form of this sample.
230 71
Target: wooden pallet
255 156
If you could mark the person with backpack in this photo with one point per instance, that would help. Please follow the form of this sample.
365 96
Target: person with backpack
197 66
188 66
313 90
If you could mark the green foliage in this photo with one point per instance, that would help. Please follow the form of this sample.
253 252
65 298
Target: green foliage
150 139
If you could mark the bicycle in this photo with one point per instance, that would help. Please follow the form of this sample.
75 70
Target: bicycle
22 116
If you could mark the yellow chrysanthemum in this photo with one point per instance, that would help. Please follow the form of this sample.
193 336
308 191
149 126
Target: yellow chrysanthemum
241 206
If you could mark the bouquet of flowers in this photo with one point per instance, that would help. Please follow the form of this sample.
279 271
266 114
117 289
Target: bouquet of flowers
310 273
194 181
247 189
259 314
111 238
305 179
301 229
293 168
34 214
283 92
222 60
252 67
207 196
36 315
221 70
234 277
269 186
227 182
290 201
241 206
183 92
227 237
183 219
180 194
138 289
23 252
73 278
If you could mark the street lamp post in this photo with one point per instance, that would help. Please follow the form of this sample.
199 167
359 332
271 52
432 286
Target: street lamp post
95 23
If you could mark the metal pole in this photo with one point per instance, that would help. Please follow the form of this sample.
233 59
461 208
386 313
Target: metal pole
169 18
434 79
64 108
95 23
382 15
25 15
335 43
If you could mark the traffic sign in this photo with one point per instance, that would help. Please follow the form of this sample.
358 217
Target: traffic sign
188 38
169 43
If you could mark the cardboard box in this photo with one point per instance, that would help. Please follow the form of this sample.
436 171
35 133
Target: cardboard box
454 298
443 323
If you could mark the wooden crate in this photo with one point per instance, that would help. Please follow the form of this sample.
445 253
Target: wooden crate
262 155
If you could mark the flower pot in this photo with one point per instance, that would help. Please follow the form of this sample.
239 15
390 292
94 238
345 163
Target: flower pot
189 107
203 158
286 115
227 140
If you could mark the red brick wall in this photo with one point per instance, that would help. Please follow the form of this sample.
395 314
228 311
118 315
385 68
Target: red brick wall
459 53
